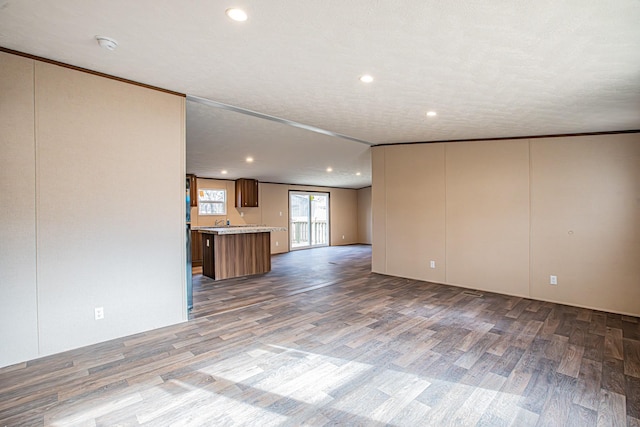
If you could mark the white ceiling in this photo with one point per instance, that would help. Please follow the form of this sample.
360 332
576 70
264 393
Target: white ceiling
489 68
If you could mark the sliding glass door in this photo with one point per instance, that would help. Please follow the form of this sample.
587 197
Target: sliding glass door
308 219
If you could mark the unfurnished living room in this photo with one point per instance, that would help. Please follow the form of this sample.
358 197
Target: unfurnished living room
401 213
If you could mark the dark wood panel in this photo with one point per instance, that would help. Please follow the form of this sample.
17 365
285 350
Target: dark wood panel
246 193
320 340
208 261
193 187
196 249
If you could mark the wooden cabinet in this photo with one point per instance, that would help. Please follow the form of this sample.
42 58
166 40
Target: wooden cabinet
246 193
235 255
208 265
196 249
193 186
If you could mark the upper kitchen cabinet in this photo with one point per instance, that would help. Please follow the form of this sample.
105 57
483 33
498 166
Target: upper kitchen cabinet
246 193
193 187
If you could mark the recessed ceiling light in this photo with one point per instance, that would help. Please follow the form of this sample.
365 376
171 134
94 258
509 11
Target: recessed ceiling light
107 42
432 113
223 172
329 169
366 78
236 14
249 159
358 173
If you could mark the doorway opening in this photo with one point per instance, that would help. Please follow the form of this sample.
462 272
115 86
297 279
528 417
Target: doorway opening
308 219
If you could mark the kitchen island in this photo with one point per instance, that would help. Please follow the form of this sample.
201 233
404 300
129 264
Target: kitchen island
235 251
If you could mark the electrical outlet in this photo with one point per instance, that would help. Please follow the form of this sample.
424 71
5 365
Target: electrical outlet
553 280
343 237
99 312
432 264
241 214
276 243
280 213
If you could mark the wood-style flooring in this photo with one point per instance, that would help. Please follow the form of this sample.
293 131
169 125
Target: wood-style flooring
320 340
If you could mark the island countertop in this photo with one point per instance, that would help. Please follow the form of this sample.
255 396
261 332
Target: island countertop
238 229
235 251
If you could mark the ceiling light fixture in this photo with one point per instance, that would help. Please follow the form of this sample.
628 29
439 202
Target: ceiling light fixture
223 172
431 113
358 173
329 169
107 42
236 14
249 159
366 78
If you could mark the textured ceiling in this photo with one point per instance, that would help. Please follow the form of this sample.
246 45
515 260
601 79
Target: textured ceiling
489 68
221 140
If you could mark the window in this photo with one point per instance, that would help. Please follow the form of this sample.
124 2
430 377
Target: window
212 202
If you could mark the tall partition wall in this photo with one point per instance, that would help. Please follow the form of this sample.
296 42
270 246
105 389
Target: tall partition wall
92 212
505 215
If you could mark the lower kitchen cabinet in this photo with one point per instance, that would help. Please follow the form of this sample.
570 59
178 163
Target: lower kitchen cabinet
235 254
208 262
196 248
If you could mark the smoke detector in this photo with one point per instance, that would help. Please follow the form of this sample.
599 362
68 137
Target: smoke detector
107 42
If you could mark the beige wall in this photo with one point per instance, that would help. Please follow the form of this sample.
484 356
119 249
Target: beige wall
89 143
487 215
585 221
18 299
344 214
378 210
273 210
415 187
364 215
504 215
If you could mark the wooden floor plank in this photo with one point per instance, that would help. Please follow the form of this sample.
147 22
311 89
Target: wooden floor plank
320 340
613 343
632 389
589 384
631 357
633 422
612 409
580 416
571 360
